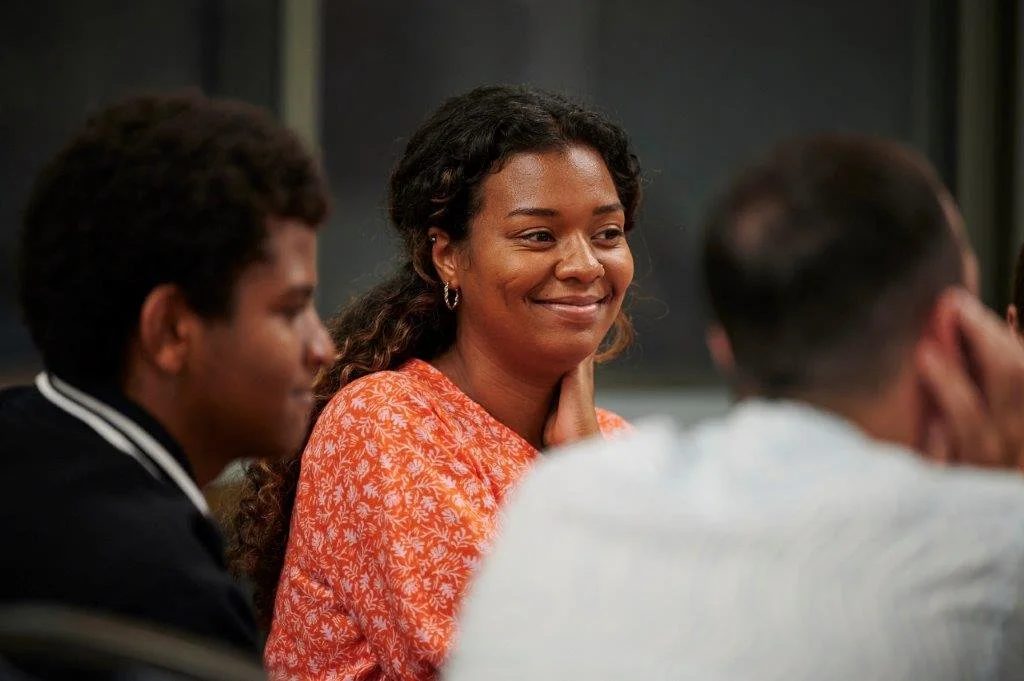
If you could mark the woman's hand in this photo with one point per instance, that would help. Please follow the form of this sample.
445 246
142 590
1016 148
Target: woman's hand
573 416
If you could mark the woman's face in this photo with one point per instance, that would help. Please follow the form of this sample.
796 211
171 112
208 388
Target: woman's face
545 267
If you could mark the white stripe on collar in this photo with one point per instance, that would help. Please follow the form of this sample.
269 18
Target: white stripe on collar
102 428
122 433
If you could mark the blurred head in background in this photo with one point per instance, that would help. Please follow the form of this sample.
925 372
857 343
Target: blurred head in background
168 252
825 264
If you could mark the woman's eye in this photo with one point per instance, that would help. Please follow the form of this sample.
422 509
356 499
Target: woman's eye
538 237
611 233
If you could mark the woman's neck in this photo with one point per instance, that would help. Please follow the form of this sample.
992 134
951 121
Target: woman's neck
521 402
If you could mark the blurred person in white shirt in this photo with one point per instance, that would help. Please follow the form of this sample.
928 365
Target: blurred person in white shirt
838 523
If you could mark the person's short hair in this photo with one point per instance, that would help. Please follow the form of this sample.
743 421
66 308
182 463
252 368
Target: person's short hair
823 261
152 190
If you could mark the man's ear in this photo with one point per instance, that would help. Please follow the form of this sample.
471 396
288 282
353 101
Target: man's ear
445 255
720 349
942 329
168 327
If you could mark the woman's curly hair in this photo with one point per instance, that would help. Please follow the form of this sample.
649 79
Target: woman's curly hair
435 184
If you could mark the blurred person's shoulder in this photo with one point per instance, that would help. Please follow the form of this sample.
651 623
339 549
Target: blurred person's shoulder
776 463
664 519
32 427
638 455
22 405
47 453
983 508
91 527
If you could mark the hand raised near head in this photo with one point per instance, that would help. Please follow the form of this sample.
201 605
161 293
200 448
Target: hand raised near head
979 396
573 416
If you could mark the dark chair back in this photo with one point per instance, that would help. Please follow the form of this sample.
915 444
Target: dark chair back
52 642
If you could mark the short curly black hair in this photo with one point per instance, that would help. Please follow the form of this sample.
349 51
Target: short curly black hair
174 188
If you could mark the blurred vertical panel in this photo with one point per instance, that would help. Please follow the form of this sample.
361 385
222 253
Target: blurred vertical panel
300 67
987 129
1018 142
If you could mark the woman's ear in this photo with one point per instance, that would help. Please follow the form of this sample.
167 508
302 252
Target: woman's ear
1013 319
444 254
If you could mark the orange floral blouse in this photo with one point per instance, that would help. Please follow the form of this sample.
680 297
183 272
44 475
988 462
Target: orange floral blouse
399 493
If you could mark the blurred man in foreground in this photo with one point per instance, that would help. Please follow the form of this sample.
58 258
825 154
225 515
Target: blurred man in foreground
812 533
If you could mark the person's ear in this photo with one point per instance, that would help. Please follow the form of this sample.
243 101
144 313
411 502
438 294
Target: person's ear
445 255
1013 319
720 348
942 328
168 327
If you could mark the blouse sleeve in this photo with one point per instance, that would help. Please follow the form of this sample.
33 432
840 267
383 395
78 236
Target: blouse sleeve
612 424
398 530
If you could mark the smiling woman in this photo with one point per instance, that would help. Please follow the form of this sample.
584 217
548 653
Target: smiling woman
513 205
546 265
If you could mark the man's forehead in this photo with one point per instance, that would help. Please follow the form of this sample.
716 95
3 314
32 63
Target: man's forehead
290 239
289 252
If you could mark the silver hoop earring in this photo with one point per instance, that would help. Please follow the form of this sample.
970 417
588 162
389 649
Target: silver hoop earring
450 296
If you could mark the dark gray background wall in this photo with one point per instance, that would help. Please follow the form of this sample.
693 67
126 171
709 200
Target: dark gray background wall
58 64
61 59
699 85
